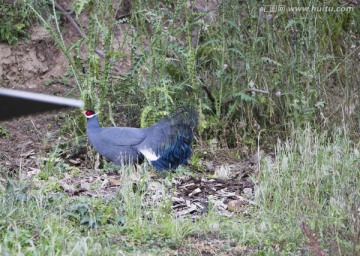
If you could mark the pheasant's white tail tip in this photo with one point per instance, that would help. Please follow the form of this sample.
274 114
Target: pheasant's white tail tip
149 154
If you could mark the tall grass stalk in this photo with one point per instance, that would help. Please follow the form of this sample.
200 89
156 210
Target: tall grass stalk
302 65
313 178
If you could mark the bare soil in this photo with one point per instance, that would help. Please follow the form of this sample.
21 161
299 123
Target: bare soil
34 65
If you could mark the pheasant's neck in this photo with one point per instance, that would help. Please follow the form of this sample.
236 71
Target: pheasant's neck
93 123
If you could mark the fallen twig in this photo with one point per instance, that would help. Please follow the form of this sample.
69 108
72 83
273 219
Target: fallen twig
76 26
257 90
313 243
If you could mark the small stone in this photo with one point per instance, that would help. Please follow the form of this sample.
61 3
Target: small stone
196 191
248 191
235 206
114 182
74 162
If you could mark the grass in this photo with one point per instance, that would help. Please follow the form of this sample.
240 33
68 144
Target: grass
244 69
16 19
312 179
54 223
287 76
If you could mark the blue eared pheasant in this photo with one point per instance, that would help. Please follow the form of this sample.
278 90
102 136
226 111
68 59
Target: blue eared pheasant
166 144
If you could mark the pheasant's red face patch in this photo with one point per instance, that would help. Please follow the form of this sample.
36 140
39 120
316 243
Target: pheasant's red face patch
89 113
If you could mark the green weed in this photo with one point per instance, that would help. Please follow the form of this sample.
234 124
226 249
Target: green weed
313 179
16 18
243 68
287 74
4 132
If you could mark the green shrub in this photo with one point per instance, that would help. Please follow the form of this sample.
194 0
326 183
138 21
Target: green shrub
245 70
16 18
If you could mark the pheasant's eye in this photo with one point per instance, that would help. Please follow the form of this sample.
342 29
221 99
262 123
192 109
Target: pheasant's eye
89 112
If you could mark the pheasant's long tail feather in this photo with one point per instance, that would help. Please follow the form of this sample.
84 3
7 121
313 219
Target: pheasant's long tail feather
171 139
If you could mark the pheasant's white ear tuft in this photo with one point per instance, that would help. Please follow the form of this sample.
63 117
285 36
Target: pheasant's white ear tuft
89 113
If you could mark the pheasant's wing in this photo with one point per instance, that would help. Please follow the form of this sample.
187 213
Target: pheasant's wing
122 136
167 143
119 144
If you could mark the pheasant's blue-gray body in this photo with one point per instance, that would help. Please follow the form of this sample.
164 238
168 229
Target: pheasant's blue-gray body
166 144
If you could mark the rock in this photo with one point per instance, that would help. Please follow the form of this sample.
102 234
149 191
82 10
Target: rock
114 182
248 192
209 165
74 162
222 172
85 185
195 191
39 33
257 156
236 206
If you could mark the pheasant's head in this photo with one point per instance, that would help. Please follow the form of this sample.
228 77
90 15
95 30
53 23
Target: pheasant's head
89 113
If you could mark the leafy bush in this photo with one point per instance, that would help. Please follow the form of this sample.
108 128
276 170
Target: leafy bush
13 22
15 19
246 70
